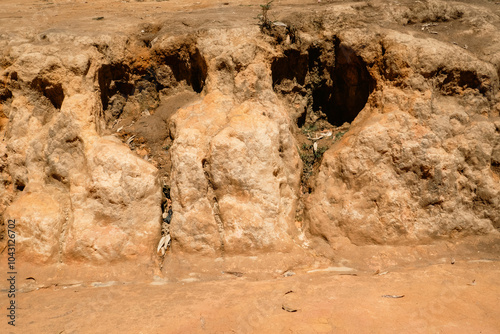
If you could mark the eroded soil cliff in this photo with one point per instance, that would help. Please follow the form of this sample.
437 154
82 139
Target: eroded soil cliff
181 142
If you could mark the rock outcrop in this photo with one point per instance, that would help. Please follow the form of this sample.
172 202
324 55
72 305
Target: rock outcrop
235 166
419 162
76 196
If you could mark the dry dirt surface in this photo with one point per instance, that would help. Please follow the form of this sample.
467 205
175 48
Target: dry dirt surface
342 279
441 298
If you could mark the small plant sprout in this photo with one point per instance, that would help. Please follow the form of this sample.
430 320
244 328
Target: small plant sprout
265 23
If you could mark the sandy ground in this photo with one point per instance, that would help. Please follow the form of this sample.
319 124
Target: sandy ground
445 298
447 287
436 296
31 17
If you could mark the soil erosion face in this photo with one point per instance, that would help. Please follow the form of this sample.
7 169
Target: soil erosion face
196 141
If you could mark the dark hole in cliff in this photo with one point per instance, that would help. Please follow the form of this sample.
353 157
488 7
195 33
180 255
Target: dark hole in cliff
113 79
293 66
463 79
301 119
52 91
495 160
452 82
183 64
127 91
5 94
19 185
495 167
328 81
352 85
